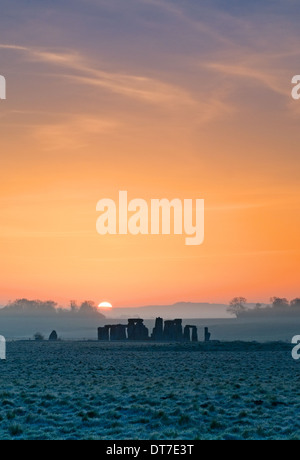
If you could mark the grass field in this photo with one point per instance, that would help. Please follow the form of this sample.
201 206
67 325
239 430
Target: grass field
90 390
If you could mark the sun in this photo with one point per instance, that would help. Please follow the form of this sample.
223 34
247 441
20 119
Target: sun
106 305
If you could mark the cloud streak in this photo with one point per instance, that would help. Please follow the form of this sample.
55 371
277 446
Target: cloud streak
247 71
139 87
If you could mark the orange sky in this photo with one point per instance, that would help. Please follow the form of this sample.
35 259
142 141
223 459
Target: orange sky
208 114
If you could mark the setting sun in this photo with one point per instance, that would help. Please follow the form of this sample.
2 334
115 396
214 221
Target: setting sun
105 305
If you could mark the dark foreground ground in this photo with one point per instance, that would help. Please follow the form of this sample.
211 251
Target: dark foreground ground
90 390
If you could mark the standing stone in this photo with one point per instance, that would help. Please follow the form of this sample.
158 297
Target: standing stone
194 334
173 330
53 336
114 332
178 330
121 332
169 331
103 333
136 330
187 335
207 335
157 333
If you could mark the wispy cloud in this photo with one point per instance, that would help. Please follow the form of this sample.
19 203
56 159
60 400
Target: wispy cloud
251 71
143 88
140 87
13 47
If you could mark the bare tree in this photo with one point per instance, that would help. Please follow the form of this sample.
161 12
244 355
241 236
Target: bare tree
279 303
73 306
88 307
237 306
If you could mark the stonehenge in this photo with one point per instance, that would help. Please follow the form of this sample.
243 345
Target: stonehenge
163 331
134 330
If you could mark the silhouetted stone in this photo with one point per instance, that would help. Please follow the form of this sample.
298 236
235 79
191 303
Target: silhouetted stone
173 330
168 330
187 333
158 330
136 330
103 333
178 330
121 332
53 336
112 332
207 335
194 334
118 332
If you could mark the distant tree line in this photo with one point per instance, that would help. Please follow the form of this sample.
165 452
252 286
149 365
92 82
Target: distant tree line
49 308
278 306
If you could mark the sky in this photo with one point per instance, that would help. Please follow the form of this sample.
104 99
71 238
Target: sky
164 99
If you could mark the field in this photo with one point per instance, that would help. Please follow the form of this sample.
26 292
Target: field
90 390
